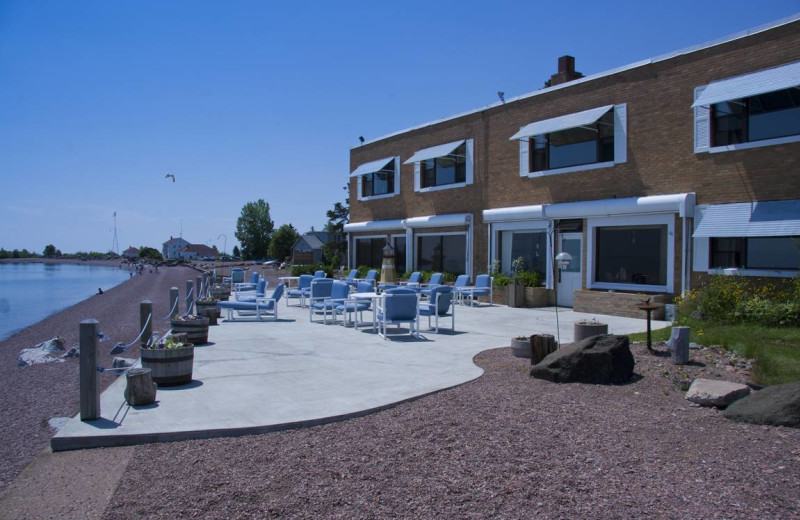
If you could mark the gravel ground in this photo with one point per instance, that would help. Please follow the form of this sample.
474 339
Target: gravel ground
30 396
502 446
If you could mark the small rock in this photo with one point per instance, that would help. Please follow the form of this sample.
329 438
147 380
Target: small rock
707 392
73 352
122 362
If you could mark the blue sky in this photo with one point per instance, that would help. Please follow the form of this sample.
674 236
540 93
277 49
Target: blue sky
243 100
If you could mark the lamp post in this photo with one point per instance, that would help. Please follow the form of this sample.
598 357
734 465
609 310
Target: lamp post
562 260
225 243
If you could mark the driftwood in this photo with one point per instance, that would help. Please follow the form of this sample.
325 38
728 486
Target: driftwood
678 345
141 389
541 346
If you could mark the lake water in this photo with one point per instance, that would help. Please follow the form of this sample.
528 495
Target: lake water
30 292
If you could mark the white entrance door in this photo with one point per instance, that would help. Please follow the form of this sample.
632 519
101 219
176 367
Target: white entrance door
569 278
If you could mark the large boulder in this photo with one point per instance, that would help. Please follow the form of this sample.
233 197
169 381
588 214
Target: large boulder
777 405
604 359
710 392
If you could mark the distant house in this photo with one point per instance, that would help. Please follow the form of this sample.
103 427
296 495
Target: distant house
131 252
173 246
308 248
195 251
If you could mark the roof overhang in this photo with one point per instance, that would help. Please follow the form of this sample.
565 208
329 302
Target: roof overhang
761 82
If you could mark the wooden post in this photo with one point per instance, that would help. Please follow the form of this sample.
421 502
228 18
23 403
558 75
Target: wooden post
89 394
141 390
199 285
173 299
189 297
678 344
541 346
145 311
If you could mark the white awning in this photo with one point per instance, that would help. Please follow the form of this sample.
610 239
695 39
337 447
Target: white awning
681 203
556 124
749 219
434 152
770 80
431 221
373 225
515 213
371 167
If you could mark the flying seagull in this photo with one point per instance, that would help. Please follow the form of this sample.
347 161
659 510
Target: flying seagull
171 176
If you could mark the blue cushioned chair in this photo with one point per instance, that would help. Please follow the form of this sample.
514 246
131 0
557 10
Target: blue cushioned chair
355 306
251 296
439 305
399 306
301 291
482 287
257 308
321 289
248 286
320 274
436 279
413 281
351 277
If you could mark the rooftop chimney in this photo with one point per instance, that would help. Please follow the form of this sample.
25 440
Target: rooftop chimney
566 72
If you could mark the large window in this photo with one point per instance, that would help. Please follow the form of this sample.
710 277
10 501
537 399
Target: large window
592 143
449 169
756 118
378 183
442 253
633 255
531 246
781 253
369 252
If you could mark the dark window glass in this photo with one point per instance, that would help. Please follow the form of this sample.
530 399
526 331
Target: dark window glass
369 252
444 253
532 247
378 183
574 146
400 254
766 116
450 169
631 255
756 253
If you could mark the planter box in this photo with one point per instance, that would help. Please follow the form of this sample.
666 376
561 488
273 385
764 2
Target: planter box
618 303
169 367
196 330
521 347
586 330
516 296
533 296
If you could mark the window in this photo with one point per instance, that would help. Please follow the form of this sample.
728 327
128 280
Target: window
369 252
756 118
780 253
378 183
593 143
449 169
400 254
633 255
530 245
442 253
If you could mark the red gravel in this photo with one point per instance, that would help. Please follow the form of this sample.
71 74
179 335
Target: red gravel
502 446
30 396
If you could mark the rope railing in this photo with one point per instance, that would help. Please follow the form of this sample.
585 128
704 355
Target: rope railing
122 347
172 311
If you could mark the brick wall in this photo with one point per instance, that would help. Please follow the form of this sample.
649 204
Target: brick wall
618 303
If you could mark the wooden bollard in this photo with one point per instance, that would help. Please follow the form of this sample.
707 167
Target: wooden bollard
189 297
541 346
141 390
145 311
678 345
198 283
173 302
89 394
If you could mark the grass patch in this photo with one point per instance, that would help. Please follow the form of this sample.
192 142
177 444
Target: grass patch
776 350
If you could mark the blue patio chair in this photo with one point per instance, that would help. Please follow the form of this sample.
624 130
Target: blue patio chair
248 286
482 287
320 274
237 276
436 279
355 306
398 306
261 306
338 294
413 281
320 291
462 281
256 293
439 306
301 291
351 277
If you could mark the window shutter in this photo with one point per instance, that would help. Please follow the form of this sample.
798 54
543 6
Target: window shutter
417 182
358 181
523 157
470 173
397 175
702 125
620 133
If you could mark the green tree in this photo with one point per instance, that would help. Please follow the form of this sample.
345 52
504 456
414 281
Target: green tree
254 229
49 251
236 252
282 241
334 251
149 253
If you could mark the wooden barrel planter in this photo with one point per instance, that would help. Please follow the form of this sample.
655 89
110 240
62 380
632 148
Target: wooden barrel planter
196 330
169 366
203 307
221 293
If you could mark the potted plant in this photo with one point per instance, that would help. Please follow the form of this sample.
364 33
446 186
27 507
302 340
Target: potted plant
516 289
170 360
209 303
195 327
588 327
521 346
220 292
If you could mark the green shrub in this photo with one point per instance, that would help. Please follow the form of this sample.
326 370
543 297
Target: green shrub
299 269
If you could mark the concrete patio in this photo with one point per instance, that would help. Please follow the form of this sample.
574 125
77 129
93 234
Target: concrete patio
257 377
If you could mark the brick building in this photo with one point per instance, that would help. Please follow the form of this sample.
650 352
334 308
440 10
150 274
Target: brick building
650 175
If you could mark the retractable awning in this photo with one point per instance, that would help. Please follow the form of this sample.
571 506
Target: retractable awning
749 219
514 213
762 82
556 124
431 221
371 167
434 152
374 225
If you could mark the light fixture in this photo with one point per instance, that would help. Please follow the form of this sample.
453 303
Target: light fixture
361 138
502 96
563 259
